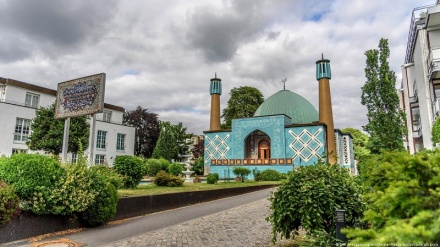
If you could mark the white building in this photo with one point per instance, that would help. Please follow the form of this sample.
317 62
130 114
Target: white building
420 88
18 102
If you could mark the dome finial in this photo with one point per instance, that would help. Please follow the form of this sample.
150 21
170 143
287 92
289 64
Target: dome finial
284 82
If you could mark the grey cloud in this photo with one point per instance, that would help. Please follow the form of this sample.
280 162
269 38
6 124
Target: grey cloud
56 24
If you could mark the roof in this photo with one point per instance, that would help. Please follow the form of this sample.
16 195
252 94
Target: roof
35 88
286 102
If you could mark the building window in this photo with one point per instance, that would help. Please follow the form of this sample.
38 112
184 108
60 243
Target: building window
19 151
22 128
32 100
120 142
107 116
2 93
99 159
100 140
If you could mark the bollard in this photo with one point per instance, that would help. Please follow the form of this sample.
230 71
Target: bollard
340 223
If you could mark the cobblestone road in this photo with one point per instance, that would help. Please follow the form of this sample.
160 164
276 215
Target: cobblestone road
240 226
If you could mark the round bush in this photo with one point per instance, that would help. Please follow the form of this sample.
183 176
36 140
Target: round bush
132 168
212 178
156 165
175 169
30 173
9 203
241 171
164 179
269 175
103 207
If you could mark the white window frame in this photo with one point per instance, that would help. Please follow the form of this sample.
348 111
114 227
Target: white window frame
120 142
22 129
101 138
107 116
100 159
32 100
74 158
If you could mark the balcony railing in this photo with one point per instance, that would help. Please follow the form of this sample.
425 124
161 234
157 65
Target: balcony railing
417 21
433 61
417 129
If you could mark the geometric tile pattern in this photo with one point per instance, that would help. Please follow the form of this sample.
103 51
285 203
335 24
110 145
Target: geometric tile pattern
306 145
345 155
216 147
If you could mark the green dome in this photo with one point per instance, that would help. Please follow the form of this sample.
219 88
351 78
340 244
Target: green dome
295 106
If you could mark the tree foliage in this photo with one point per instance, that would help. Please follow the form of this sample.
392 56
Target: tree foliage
47 132
241 171
386 124
402 194
166 145
243 102
131 168
182 138
147 130
436 131
199 148
309 198
360 142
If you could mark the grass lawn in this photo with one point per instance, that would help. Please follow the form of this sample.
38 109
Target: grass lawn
152 189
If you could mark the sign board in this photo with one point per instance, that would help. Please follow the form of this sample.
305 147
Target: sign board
79 97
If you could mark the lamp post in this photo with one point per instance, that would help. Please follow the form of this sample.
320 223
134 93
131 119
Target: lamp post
340 223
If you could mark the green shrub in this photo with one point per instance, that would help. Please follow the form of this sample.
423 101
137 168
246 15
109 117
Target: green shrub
164 179
212 178
270 175
309 198
9 203
256 173
241 171
175 169
30 173
156 165
132 168
109 174
199 166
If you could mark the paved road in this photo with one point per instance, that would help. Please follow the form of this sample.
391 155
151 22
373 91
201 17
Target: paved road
234 221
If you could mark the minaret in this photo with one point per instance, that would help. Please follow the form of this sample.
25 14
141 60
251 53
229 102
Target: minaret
215 90
323 75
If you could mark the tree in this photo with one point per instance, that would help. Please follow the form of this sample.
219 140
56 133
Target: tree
244 101
360 142
242 172
147 130
308 200
47 132
436 131
166 145
386 124
182 138
199 148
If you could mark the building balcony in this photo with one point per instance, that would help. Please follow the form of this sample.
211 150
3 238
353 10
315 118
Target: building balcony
417 129
432 16
435 109
433 62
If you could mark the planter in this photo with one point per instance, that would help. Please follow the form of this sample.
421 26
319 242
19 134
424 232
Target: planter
197 180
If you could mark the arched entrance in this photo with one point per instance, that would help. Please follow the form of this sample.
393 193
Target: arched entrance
264 149
257 145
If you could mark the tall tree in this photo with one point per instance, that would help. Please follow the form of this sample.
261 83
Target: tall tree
244 101
147 130
183 140
386 124
47 132
166 145
360 142
199 148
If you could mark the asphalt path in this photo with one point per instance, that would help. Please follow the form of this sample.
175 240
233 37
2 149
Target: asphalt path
138 225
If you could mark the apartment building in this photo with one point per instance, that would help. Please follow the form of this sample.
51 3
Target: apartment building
18 102
420 89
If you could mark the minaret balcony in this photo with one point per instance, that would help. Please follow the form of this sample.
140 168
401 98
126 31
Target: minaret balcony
433 62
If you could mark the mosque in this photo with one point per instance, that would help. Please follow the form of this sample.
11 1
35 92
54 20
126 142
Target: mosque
286 132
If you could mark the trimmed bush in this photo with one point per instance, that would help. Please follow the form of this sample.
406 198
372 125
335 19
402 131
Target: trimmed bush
9 203
269 175
30 173
156 165
199 166
212 178
164 179
175 169
132 168
242 172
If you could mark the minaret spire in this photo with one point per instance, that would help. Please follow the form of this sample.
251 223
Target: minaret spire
323 75
215 91
284 83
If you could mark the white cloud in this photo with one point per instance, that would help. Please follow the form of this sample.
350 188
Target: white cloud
162 54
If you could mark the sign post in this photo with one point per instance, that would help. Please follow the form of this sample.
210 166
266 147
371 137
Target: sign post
80 97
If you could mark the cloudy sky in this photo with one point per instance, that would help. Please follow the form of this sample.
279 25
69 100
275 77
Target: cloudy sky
161 54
